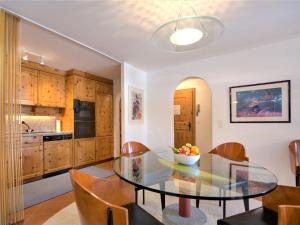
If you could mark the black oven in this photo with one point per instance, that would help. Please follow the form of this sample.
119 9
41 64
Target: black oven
84 119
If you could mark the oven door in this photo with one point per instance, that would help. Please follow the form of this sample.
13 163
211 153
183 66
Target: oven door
84 129
84 111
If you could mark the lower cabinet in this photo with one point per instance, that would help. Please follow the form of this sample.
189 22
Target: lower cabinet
32 157
58 155
104 147
84 151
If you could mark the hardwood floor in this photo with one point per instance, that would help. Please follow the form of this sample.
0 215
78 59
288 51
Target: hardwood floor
38 214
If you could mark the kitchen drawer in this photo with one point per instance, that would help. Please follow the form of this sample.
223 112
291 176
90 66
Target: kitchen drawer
32 140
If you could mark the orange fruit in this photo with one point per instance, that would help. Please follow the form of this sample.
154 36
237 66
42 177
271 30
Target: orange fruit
195 150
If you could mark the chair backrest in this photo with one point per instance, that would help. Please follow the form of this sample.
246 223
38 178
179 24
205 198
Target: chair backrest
288 215
133 147
231 150
92 209
295 155
282 195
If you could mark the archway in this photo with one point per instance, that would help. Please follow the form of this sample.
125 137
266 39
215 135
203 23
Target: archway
193 114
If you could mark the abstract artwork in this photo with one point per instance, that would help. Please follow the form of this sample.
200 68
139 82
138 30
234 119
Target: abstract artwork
136 105
137 169
260 103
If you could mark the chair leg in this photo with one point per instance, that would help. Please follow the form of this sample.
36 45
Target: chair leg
224 209
220 202
246 203
197 203
163 201
143 196
298 180
136 195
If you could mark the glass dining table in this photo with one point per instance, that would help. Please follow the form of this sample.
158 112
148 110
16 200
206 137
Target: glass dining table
211 178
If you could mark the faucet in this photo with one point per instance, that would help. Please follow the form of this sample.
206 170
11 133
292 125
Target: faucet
29 130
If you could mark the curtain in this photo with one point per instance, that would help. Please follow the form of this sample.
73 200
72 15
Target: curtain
11 188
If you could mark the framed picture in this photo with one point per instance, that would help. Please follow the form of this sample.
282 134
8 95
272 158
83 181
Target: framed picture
261 103
136 105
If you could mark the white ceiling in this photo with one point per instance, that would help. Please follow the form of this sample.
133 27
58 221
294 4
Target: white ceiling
123 29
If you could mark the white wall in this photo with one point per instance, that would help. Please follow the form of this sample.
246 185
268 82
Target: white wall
133 77
117 98
203 121
266 144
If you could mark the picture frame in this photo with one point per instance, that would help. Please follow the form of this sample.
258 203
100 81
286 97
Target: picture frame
136 105
261 103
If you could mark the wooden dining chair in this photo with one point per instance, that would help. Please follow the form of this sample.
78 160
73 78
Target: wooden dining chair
96 202
294 147
134 147
280 207
233 151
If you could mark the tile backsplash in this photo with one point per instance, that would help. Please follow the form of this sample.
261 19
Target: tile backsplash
39 123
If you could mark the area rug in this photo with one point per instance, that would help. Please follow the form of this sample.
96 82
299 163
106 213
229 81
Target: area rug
69 215
45 189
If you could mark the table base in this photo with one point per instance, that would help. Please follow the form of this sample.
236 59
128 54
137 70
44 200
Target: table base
171 216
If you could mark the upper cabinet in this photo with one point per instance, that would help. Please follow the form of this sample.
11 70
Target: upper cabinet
28 89
51 90
42 86
84 89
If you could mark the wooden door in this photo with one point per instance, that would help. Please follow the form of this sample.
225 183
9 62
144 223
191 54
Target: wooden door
84 89
184 117
104 115
51 90
104 148
32 157
57 155
28 91
84 151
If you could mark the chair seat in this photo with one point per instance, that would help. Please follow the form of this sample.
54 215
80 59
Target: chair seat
138 216
259 216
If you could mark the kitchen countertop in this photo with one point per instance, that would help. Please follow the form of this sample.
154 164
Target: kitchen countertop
45 133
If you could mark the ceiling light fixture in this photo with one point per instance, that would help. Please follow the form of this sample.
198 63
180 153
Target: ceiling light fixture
25 57
34 57
186 36
187 33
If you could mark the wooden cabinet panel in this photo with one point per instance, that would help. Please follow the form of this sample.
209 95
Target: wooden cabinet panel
84 89
28 89
32 156
58 155
104 115
84 151
51 90
102 88
104 148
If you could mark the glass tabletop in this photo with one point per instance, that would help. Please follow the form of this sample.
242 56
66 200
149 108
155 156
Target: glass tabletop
212 177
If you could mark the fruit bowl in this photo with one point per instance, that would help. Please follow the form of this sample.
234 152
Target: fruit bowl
186 159
186 154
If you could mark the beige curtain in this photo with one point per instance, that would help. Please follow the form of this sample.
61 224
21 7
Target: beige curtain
11 193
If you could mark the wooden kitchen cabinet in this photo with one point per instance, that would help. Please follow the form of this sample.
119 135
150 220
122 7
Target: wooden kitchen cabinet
58 155
28 89
51 90
104 148
32 156
104 113
84 89
84 151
